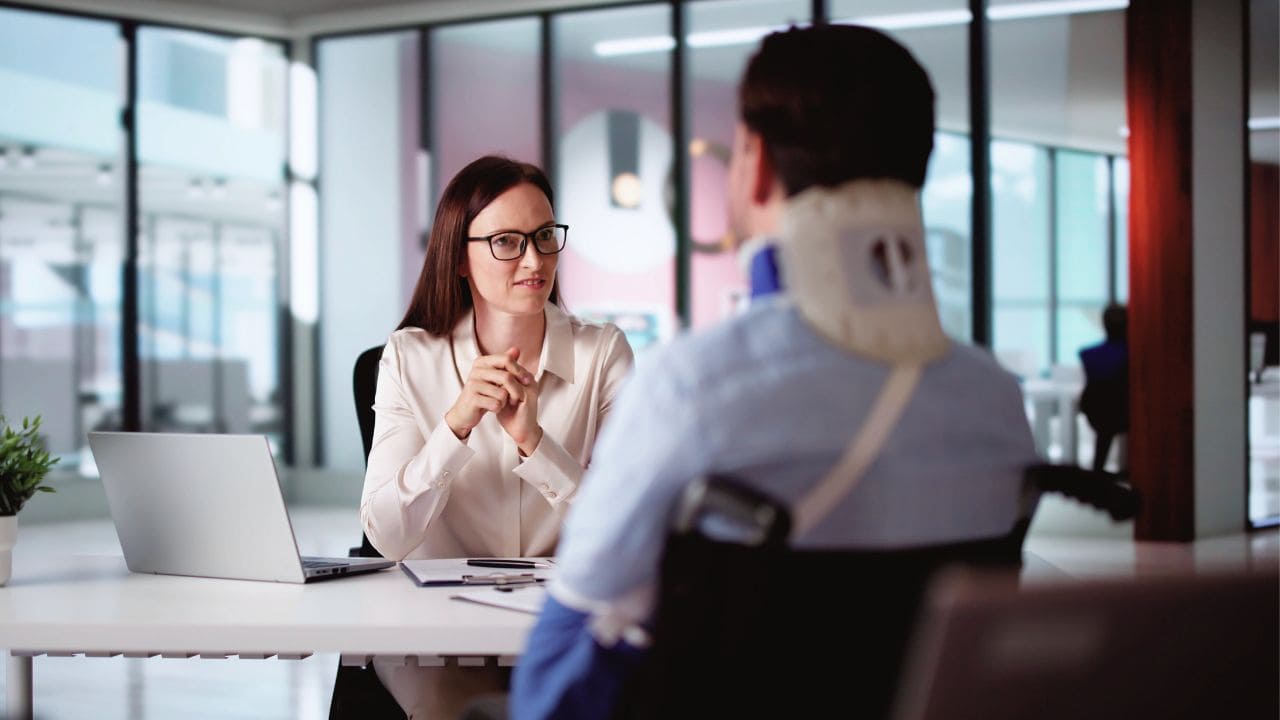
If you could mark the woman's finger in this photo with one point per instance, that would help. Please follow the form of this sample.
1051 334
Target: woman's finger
490 390
502 362
501 378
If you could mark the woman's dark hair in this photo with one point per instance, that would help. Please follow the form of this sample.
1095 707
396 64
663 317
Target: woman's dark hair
835 103
441 297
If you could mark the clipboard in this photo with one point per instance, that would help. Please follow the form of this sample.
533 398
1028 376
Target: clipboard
454 572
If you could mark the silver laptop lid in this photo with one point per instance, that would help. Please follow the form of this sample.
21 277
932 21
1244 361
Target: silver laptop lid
204 505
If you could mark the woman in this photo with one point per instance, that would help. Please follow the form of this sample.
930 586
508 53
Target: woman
488 402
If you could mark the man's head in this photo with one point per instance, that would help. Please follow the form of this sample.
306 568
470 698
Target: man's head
1115 321
822 106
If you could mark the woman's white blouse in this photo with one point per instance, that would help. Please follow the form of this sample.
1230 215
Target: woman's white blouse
429 494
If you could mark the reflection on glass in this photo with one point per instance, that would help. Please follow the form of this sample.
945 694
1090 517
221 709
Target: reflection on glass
713 72
1020 256
1081 251
1120 181
484 94
372 213
211 142
613 115
60 225
936 32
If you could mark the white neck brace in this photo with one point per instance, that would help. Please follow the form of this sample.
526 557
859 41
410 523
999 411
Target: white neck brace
853 259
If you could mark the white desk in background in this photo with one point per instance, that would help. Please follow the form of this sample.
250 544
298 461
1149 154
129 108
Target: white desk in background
1049 399
61 605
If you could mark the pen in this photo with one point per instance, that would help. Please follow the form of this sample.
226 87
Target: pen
518 564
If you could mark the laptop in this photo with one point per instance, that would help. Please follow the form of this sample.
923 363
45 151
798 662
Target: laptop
206 506
1188 646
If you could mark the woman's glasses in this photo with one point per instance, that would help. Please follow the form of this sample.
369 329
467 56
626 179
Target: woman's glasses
511 244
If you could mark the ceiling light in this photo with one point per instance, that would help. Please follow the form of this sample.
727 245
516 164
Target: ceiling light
1047 9
1123 131
907 21
897 21
736 36
634 46
104 174
28 158
1264 123
627 190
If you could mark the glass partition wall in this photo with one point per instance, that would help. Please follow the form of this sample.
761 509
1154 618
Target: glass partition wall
204 170
211 147
61 239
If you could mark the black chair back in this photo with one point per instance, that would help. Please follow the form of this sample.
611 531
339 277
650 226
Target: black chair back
364 384
747 627
357 692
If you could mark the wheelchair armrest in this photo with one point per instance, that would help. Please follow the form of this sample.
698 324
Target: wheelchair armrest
1102 490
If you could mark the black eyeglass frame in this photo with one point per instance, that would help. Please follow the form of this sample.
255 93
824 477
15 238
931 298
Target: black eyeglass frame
525 239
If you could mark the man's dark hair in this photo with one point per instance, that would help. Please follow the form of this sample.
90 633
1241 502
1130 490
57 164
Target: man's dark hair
1115 321
838 102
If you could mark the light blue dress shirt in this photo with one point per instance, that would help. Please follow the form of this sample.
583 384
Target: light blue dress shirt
764 398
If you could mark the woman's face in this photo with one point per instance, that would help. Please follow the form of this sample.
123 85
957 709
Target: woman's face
515 287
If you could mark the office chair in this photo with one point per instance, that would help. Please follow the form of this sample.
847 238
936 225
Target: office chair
358 694
747 627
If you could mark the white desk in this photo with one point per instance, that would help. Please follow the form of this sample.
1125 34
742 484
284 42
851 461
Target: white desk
1059 399
91 604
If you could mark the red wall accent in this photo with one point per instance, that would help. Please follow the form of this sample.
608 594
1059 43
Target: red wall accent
1264 242
1158 78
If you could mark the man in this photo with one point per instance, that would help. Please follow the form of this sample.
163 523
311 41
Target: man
835 131
1105 400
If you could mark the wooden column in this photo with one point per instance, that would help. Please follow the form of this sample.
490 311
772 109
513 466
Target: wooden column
1186 271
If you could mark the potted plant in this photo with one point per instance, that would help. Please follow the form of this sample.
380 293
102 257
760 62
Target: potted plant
24 463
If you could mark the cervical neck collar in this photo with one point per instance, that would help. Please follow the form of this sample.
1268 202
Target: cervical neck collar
853 260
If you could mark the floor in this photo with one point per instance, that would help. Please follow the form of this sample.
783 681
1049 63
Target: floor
137 689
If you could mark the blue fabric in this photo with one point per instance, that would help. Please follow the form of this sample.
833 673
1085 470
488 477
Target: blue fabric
564 672
1105 361
764 273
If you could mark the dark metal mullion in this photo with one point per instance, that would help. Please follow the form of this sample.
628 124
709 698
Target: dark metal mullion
1112 244
317 334
1246 43
680 163
131 380
281 256
77 313
1053 256
818 9
547 97
980 166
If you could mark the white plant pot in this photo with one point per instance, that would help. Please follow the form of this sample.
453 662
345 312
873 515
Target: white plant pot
8 536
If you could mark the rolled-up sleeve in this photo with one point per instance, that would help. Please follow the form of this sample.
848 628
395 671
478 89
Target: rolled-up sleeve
406 484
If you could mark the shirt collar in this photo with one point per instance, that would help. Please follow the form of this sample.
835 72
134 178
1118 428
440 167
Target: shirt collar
557 344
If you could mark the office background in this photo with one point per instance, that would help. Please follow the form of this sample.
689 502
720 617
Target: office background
205 216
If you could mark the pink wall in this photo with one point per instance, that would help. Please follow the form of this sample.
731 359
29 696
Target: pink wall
487 102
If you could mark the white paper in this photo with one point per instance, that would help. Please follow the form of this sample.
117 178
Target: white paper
526 599
451 571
